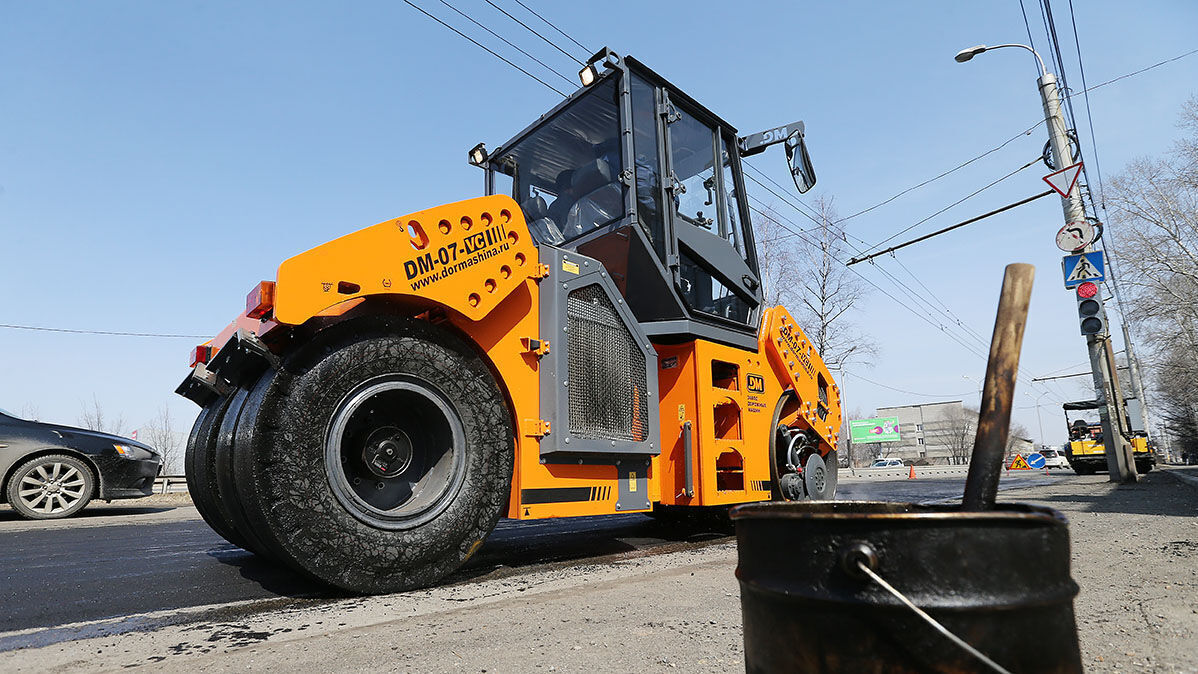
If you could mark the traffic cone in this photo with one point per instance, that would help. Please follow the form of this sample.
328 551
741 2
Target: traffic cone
911 475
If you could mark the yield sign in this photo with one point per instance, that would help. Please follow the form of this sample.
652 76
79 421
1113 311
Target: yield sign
1063 181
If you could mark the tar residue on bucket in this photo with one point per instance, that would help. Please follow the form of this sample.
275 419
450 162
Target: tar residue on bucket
998 579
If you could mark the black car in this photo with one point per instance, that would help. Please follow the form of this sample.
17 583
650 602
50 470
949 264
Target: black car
52 471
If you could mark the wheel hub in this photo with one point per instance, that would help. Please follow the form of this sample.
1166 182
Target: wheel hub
388 452
394 452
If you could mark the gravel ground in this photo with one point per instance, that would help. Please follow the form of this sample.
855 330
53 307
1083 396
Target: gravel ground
1135 556
1135 550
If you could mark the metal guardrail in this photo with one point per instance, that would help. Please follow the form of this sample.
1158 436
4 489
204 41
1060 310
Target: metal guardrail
905 471
170 484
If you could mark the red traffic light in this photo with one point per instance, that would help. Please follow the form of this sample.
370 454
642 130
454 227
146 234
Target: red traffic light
1087 290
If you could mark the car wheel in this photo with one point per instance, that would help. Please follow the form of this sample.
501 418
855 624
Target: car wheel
51 487
376 461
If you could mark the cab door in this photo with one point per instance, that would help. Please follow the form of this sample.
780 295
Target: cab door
715 271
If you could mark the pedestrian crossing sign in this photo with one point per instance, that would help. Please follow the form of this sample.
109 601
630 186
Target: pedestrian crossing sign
1083 267
1018 463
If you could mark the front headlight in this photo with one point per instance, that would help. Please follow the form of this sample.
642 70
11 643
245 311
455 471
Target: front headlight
124 450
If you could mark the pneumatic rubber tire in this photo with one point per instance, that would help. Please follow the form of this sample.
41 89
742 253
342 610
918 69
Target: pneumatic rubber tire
309 510
230 507
200 470
50 487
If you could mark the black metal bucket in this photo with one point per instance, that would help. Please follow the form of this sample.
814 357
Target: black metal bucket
998 579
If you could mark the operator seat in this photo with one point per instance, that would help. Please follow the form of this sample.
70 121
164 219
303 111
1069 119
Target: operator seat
565 197
542 227
600 198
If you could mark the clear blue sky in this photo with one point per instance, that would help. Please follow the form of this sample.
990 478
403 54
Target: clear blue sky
158 159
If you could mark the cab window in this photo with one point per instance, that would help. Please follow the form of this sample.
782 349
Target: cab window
706 213
565 174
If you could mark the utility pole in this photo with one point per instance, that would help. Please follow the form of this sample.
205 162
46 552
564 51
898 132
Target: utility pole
1119 459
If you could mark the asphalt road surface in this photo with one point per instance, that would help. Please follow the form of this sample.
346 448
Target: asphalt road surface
94 568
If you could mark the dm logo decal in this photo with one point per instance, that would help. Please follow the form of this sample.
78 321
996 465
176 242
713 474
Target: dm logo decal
756 383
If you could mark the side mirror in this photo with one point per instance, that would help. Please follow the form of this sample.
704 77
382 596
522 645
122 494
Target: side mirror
800 162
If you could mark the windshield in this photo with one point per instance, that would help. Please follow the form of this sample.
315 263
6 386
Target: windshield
566 173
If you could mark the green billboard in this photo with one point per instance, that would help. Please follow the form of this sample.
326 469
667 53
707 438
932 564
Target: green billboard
884 429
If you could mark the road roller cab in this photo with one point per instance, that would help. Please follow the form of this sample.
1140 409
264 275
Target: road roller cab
588 338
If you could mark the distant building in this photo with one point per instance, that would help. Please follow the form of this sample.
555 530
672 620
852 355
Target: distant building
938 433
1022 446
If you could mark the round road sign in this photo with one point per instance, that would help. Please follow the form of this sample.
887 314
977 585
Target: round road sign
1035 460
1075 236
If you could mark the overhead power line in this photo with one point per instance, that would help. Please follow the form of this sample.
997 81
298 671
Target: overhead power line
951 227
102 332
532 30
950 171
854 375
1137 72
484 47
554 27
1017 136
509 43
1028 26
955 203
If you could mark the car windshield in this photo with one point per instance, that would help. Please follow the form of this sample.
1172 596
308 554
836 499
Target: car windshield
566 173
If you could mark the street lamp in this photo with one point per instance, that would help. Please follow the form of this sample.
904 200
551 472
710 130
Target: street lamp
980 387
966 54
1039 421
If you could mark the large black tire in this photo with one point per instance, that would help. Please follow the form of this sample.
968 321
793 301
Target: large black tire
1143 467
50 487
199 466
228 501
412 382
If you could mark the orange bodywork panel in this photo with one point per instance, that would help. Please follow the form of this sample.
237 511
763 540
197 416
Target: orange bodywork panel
476 261
465 257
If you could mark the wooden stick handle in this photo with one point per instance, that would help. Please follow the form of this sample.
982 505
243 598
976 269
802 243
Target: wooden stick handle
994 419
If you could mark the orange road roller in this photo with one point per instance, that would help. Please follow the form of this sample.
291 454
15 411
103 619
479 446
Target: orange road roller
588 338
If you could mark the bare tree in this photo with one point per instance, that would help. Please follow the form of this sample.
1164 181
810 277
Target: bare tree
160 434
97 419
1154 218
955 432
1015 433
31 411
806 273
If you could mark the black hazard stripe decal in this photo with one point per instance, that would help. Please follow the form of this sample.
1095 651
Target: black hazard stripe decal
564 495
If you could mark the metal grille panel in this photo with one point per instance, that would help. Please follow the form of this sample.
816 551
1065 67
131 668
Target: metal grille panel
607 379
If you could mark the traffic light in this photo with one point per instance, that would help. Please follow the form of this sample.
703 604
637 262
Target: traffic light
1090 312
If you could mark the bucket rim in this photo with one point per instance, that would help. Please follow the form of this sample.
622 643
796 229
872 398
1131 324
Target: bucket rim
892 510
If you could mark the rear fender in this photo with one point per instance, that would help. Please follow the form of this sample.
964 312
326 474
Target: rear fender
465 257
